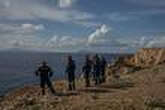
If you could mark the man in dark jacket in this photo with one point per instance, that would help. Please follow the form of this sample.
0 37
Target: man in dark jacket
103 65
87 70
70 70
96 69
45 72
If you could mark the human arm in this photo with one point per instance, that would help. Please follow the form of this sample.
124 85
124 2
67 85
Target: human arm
50 72
37 72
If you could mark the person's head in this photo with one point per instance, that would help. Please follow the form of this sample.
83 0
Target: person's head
44 63
87 57
97 56
69 58
102 57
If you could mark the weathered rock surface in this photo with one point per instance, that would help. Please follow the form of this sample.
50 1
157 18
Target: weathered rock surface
148 57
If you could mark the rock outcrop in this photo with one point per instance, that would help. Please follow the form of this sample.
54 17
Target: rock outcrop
148 57
144 58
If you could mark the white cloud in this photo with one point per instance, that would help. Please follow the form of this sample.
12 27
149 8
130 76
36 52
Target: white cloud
65 3
26 36
138 43
98 35
88 24
158 41
79 43
65 42
7 4
33 10
20 28
20 35
33 27
142 42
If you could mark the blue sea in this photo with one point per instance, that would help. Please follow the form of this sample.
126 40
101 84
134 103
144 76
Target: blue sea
17 67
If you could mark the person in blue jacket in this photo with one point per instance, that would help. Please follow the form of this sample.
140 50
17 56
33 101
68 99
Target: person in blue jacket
103 65
45 73
96 69
87 70
70 70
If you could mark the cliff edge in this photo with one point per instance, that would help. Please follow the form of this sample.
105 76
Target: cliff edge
142 89
147 57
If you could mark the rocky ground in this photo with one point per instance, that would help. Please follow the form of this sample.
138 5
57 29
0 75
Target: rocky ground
140 90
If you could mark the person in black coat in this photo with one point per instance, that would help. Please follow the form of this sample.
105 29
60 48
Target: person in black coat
96 69
87 70
45 73
103 65
70 70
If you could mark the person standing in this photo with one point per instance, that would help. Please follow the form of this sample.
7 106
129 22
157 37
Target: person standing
102 69
87 70
70 70
96 69
45 73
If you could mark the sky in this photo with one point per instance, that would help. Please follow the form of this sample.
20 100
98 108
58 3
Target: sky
82 25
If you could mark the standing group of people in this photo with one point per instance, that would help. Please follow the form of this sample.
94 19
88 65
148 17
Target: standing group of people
92 69
96 68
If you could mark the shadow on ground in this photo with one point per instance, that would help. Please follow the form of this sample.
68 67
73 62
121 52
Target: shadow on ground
122 86
67 94
94 90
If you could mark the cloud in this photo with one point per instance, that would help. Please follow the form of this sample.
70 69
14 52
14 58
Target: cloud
158 41
33 27
26 35
34 10
98 35
20 35
20 28
65 3
65 42
94 39
88 24
142 42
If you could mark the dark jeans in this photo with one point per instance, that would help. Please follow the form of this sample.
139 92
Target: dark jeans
97 78
87 79
71 79
46 81
103 79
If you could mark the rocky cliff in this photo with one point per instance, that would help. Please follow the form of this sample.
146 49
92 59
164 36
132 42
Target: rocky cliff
144 58
147 57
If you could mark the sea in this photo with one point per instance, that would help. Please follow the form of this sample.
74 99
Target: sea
17 68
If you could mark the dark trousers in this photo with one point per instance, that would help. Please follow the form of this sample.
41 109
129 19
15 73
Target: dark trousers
103 79
46 81
71 79
87 79
97 78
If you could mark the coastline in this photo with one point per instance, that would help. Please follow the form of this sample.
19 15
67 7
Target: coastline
23 86
139 86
